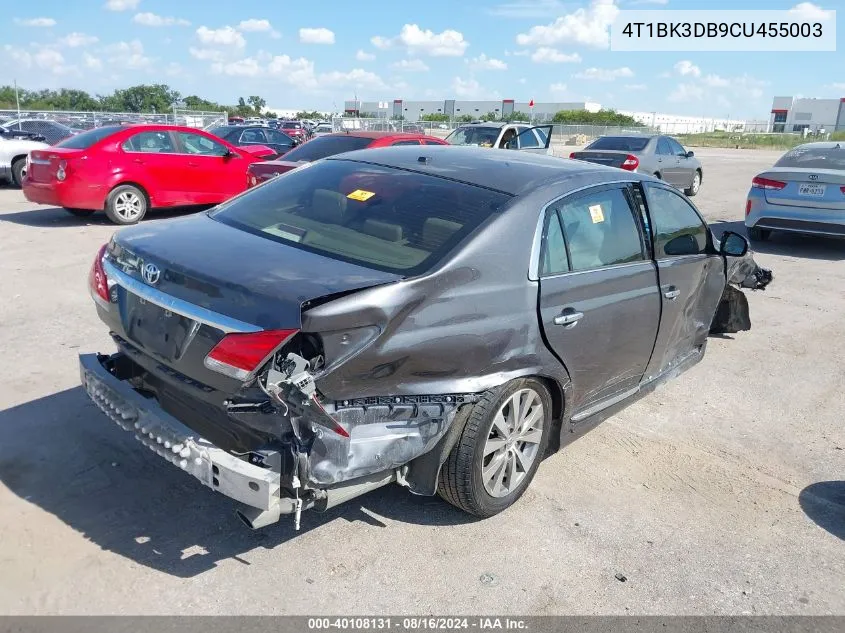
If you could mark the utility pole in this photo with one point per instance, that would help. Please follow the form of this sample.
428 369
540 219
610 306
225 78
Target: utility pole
17 101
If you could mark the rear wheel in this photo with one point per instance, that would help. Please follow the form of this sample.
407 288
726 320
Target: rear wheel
80 213
657 175
758 235
695 186
126 204
500 448
18 172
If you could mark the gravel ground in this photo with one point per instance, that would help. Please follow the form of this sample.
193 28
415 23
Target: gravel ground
721 493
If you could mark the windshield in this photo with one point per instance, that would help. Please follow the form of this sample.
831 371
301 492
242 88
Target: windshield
804 157
224 131
620 143
475 135
325 146
380 217
84 140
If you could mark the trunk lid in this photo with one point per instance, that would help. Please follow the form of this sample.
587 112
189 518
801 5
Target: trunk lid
44 163
233 273
814 188
611 158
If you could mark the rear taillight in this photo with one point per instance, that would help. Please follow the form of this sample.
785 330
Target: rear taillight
240 355
767 183
747 207
251 180
572 155
61 172
97 278
630 163
842 189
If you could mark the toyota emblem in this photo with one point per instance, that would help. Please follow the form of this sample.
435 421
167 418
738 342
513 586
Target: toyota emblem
150 273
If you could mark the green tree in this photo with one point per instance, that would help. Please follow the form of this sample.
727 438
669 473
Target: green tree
516 116
257 103
141 98
490 116
435 116
465 118
602 117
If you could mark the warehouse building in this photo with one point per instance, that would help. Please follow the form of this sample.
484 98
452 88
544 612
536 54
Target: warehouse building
790 114
453 108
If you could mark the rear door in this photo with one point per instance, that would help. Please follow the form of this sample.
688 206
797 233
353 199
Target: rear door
691 276
213 173
599 297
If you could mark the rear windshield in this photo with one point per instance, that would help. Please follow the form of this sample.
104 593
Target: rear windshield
813 158
476 135
84 140
325 146
291 125
380 217
620 143
224 130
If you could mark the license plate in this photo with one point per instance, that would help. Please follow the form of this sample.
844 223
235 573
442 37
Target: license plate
817 191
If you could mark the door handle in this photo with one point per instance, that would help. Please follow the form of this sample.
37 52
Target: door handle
139 161
671 293
569 318
192 164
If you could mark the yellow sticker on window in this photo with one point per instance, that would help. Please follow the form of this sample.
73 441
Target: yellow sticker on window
596 213
360 195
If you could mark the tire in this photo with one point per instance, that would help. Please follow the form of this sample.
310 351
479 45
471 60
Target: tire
657 175
126 204
696 184
463 482
758 235
18 172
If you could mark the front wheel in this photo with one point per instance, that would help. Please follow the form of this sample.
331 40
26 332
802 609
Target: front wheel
126 204
18 172
499 450
695 186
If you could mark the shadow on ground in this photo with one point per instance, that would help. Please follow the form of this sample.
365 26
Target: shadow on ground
63 455
824 503
789 244
59 218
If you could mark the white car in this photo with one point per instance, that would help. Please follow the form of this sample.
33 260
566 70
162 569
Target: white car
13 157
503 135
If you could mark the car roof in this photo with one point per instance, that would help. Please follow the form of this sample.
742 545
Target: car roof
821 145
631 135
511 172
374 135
486 124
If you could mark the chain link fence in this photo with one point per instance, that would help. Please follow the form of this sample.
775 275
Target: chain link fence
77 120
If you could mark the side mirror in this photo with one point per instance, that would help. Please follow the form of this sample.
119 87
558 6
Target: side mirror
690 154
733 244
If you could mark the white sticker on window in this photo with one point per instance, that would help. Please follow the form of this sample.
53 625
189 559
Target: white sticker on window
596 213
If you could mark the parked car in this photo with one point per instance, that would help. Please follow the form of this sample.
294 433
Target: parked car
236 120
654 154
804 192
329 145
126 170
323 128
21 134
14 156
431 316
294 129
504 135
52 131
242 135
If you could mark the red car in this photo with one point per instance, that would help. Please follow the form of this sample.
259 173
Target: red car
294 129
329 145
127 170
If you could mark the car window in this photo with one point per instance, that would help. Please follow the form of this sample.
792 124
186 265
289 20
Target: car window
376 216
809 157
434 142
252 136
406 142
198 144
663 146
677 228
676 147
324 146
554 260
84 140
278 137
620 143
474 135
600 230
527 139
152 142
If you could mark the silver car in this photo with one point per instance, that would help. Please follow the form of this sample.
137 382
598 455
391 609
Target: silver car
804 192
504 135
652 154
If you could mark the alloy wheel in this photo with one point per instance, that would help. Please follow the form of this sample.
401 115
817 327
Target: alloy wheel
128 205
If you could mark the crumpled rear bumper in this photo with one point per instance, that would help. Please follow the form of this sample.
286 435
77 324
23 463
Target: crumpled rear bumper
173 441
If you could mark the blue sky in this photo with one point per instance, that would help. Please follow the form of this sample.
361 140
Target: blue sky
302 55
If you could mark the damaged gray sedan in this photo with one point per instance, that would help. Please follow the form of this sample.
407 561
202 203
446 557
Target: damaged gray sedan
437 317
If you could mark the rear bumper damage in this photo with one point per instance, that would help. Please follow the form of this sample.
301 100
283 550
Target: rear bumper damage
325 453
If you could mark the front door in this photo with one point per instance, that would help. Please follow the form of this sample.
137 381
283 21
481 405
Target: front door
599 300
151 160
535 139
685 166
214 172
691 275
667 162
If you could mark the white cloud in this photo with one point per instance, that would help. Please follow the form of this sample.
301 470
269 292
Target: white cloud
686 67
715 81
122 5
21 58
714 88
527 9
128 55
298 72
687 92
471 89
75 40
837 86
247 67
635 87
151 19
91 62
449 43
410 65
605 74
207 54
224 36
47 59
520 53
173 70
316 36
362 56
588 27
640 2
811 12
39 22
255 25
557 89
546 55
482 62
357 77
